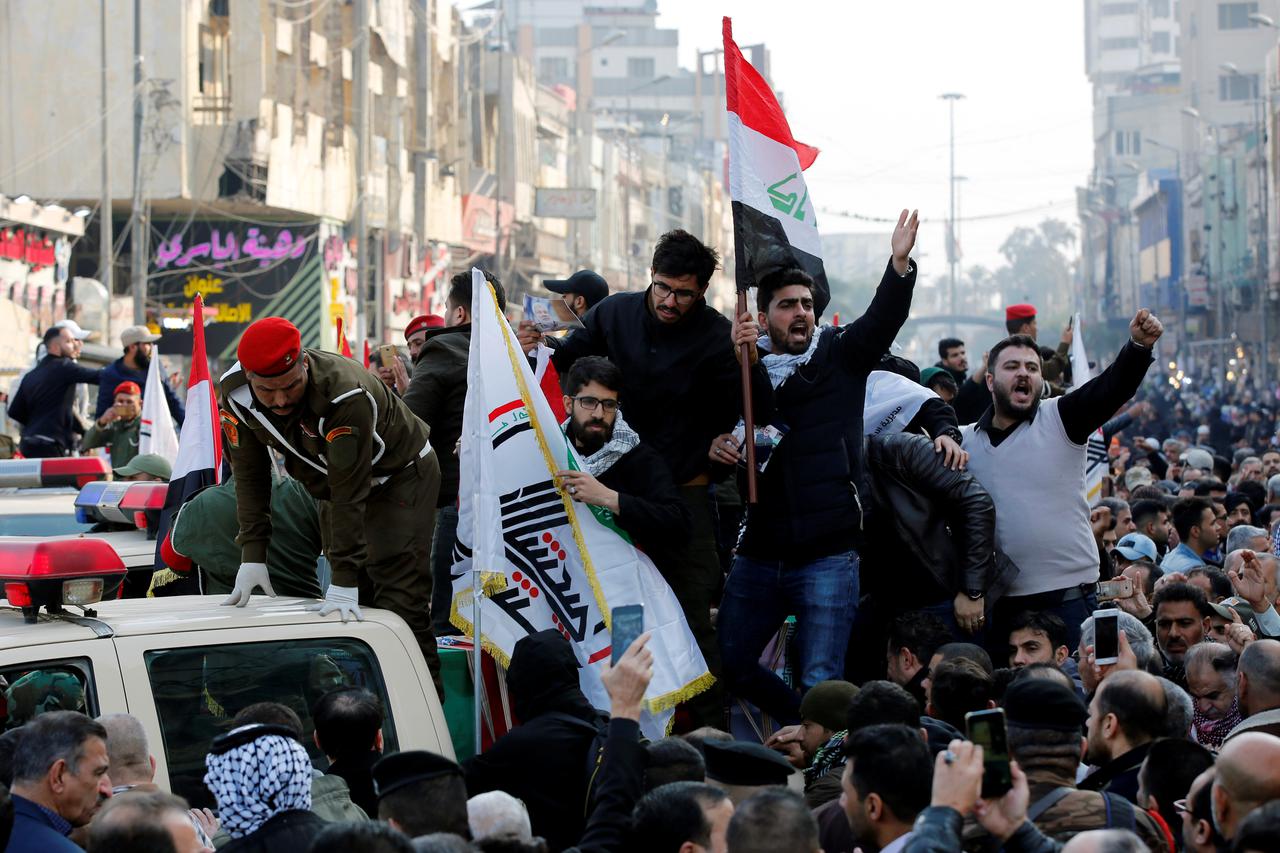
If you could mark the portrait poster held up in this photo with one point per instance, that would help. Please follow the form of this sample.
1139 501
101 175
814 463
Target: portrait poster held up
538 559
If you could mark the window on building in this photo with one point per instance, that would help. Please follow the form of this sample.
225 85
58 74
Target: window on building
1128 143
1119 44
198 690
1159 8
1109 9
212 104
1235 16
1161 42
553 68
641 66
1237 87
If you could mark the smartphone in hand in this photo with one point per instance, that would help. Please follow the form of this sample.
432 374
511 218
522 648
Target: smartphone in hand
1106 636
987 730
627 623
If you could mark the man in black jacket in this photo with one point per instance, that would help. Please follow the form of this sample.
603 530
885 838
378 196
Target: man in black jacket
683 389
436 395
798 551
621 474
45 398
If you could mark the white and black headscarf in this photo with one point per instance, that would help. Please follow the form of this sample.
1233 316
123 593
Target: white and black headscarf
255 772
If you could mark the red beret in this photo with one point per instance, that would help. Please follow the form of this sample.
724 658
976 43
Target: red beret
423 321
269 346
1020 312
127 387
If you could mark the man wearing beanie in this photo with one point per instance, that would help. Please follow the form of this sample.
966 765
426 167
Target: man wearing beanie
1045 723
357 449
816 746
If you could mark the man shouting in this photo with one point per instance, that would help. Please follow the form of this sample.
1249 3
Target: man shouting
1029 454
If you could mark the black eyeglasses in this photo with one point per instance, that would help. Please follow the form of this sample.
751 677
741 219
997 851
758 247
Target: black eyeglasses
683 297
592 403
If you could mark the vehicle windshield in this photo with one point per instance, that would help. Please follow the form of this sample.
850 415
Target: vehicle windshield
41 524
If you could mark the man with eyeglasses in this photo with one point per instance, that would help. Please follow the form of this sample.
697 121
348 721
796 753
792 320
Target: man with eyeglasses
620 473
682 390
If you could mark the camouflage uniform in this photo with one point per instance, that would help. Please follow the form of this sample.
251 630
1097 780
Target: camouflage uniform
119 437
41 691
365 457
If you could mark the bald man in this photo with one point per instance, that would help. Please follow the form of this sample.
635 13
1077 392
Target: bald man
132 765
1258 688
1105 841
1126 715
1246 779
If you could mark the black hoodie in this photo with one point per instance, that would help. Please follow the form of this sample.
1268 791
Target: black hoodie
543 760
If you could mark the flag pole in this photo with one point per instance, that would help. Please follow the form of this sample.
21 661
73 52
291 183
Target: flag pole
748 418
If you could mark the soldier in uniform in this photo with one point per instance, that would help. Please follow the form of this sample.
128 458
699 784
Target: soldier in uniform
357 449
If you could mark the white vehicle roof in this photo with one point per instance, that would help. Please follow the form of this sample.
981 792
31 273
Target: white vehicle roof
180 613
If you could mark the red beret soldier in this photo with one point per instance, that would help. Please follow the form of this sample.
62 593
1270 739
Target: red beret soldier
357 449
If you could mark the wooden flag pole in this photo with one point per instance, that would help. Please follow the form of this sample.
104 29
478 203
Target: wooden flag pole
748 420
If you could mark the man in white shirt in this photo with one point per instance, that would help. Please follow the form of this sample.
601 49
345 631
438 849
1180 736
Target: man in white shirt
1029 454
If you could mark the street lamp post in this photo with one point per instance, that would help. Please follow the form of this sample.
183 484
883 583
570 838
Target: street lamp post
951 98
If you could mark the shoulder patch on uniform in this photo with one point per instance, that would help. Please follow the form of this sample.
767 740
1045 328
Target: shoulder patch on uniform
231 426
338 432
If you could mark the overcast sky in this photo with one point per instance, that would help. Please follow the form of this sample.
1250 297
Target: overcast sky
861 80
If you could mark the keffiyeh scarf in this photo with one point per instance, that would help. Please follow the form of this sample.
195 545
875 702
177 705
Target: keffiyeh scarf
256 781
782 365
830 754
1211 733
623 441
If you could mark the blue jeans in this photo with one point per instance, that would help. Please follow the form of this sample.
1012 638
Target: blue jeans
758 596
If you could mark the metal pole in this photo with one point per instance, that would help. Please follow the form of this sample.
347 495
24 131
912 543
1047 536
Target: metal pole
421 115
500 150
106 237
951 98
138 236
1264 259
626 199
360 115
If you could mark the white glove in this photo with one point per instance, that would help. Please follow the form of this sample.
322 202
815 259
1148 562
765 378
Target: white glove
250 576
343 599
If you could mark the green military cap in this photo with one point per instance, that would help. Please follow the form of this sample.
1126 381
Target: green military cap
147 463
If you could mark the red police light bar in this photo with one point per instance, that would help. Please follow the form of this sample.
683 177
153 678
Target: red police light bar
45 473
144 498
61 571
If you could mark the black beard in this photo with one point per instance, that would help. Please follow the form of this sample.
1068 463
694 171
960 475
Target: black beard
1004 406
779 336
144 361
588 442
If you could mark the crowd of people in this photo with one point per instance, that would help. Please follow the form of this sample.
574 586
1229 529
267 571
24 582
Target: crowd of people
922 556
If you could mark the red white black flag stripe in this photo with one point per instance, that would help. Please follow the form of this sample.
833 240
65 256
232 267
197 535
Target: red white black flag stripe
199 462
774 220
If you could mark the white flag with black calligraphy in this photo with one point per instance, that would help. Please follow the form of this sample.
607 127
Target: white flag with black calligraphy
543 560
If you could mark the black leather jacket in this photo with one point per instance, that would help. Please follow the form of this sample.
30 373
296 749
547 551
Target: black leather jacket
942 519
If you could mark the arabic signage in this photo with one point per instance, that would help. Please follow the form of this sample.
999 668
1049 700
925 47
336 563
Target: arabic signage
243 270
565 203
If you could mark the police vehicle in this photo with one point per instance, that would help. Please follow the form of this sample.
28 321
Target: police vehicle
185 666
70 498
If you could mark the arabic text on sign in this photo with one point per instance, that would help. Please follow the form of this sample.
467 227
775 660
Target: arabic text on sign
205 284
224 247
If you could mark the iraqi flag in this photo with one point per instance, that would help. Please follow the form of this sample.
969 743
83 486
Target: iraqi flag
775 225
199 462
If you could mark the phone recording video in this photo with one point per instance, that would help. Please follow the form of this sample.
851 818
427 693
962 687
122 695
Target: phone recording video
987 730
